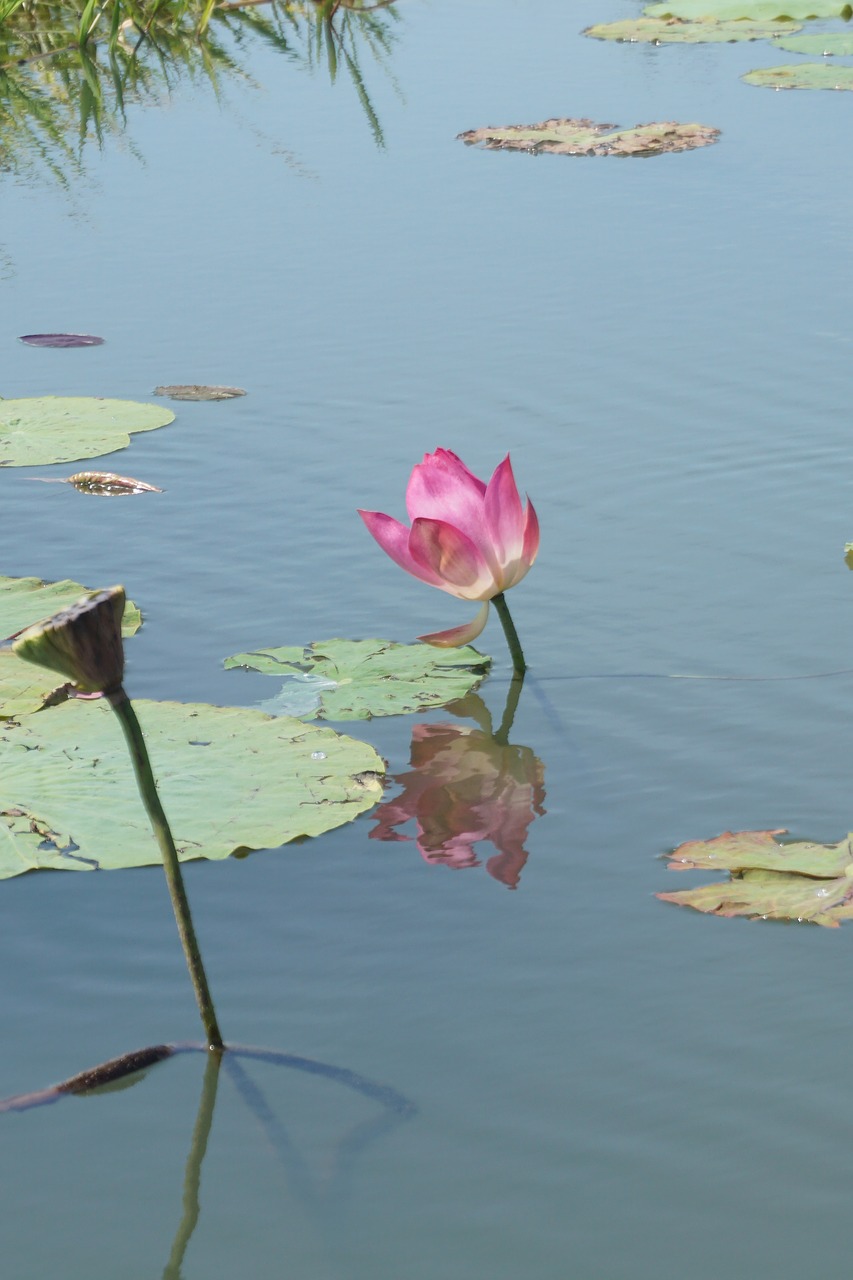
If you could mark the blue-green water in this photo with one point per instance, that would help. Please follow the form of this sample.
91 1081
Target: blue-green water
606 1087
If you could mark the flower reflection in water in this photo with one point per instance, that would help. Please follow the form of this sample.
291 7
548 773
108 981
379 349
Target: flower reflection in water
467 785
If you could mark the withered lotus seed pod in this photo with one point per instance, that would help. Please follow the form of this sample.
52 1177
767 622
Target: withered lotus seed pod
83 642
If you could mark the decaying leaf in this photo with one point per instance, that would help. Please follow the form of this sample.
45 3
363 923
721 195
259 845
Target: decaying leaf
198 392
44 429
61 340
771 880
671 30
108 484
802 75
577 137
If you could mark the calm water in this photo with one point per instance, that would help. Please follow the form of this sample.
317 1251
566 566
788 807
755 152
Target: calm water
606 1087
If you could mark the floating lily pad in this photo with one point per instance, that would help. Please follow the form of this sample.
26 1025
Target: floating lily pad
836 43
231 780
757 10
681 31
796 881
61 340
23 687
45 429
574 137
194 392
359 679
803 75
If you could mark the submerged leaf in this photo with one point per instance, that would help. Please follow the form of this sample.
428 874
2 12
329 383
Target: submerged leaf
577 137
359 679
671 30
45 429
197 392
802 75
61 340
231 779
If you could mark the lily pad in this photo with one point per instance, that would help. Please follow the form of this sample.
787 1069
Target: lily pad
61 340
796 881
197 392
835 43
803 75
231 780
576 137
45 429
757 10
25 688
672 30
359 679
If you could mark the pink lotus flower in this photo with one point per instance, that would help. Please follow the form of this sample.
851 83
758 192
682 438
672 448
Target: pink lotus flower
471 539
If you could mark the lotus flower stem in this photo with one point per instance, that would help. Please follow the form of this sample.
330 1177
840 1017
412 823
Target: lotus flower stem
519 666
121 704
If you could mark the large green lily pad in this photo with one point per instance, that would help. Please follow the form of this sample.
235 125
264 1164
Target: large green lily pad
230 779
803 75
576 137
796 881
44 429
359 679
23 687
671 30
757 10
837 43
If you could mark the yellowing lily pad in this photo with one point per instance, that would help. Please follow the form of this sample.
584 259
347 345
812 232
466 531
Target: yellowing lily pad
802 75
757 10
834 43
797 881
575 137
672 30
44 429
359 679
230 779
25 688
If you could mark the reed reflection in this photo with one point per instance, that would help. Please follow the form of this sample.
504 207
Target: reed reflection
468 785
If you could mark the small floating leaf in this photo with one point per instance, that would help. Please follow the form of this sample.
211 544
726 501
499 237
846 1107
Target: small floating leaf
803 75
194 392
45 429
107 483
232 780
576 137
757 10
837 43
359 679
671 30
61 340
24 601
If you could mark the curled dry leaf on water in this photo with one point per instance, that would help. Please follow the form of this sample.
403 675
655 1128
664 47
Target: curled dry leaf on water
61 340
103 483
799 880
193 391
581 137
671 30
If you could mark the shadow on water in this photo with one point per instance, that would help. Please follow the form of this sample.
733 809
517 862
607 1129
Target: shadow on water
60 93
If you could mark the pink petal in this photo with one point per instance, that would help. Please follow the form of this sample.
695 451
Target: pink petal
393 538
513 573
504 516
456 562
458 636
442 488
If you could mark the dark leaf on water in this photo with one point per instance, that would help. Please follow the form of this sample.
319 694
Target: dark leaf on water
577 137
192 391
61 340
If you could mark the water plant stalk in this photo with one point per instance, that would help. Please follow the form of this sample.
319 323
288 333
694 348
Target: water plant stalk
519 666
132 729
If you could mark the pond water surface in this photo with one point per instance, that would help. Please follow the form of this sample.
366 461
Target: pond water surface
605 1087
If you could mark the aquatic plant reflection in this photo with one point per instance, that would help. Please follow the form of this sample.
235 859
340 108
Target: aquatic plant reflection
467 785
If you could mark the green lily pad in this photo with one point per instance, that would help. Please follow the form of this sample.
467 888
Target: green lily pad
681 31
834 43
230 779
44 429
25 688
803 75
757 10
575 137
797 881
359 679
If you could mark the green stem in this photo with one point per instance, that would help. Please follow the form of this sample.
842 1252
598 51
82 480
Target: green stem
519 666
120 703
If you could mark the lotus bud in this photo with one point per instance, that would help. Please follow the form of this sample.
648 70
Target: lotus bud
83 643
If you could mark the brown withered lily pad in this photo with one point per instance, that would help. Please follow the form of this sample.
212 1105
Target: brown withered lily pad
770 881
192 391
104 484
670 30
577 137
